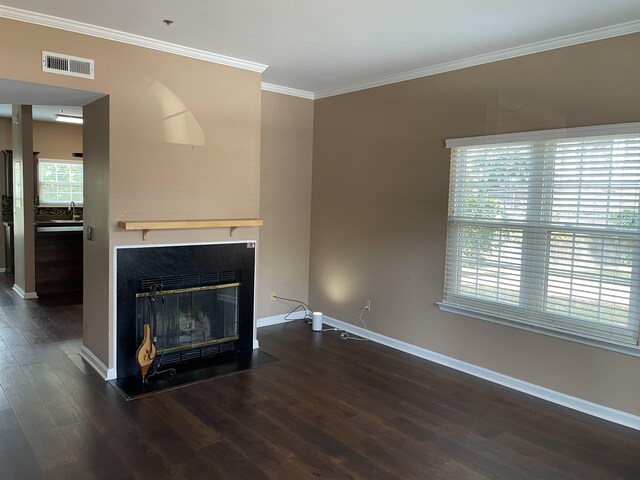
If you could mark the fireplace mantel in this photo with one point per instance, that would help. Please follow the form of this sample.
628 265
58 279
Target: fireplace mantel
146 225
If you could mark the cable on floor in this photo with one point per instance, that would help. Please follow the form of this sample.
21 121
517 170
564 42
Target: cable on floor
301 305
344 335
347 336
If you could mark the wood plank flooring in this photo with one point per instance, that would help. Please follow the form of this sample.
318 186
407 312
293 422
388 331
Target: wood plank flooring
330 408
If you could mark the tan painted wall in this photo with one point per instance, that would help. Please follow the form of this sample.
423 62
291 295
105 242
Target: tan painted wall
184 139
285 201
379 206
96 258
52 140
23 201
56 140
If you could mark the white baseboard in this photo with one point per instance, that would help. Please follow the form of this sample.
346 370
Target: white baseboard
98 366
23 294
256 344
584 406
276 319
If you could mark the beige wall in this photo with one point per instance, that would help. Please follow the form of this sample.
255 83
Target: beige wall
56 140
96 302
379 206
52 140
23 201
184 140
285 202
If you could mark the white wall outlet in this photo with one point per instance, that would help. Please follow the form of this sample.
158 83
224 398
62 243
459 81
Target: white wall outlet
272 295
367 305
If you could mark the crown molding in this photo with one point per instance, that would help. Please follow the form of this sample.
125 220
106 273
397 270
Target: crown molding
507 53
128 38
294 92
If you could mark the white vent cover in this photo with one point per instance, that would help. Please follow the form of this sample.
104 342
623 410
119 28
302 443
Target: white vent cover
67 65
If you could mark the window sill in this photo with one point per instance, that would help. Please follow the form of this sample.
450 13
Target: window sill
625 349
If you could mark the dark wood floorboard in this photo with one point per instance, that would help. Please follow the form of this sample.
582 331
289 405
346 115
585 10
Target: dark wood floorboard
329 408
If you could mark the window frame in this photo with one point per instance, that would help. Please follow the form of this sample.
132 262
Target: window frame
557 325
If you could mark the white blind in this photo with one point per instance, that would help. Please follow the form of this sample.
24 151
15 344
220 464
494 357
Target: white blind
546 232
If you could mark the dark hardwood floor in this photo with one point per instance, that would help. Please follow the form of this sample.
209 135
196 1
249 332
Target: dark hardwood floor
330 408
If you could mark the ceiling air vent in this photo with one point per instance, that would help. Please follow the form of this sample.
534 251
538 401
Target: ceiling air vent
67 65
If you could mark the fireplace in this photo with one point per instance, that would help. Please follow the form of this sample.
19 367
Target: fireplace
196 299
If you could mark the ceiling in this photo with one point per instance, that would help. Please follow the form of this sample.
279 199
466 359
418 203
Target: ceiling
332 46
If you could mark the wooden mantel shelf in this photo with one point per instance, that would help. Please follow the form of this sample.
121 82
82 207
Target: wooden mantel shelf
147 225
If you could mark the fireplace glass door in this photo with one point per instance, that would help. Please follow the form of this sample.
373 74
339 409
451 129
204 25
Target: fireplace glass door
189 318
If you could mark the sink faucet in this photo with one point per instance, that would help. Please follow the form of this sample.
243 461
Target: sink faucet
72 209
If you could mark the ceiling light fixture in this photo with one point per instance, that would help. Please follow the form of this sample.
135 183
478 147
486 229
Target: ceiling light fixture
68 119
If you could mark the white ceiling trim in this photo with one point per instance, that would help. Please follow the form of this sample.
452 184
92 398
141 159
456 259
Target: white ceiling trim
294 92
123 37
537 47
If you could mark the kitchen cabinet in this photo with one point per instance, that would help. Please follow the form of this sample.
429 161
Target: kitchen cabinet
58 257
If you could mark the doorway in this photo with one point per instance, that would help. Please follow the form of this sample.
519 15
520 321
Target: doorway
48 101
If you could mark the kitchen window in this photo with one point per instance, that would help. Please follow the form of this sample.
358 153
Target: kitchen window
59 182
544 231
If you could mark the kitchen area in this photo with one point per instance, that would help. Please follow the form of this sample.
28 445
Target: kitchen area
58 224
58 247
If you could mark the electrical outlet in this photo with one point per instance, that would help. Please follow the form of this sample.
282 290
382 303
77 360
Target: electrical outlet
367 305
272 295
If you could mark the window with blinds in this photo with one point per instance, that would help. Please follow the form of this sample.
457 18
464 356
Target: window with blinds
60 182
544 230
